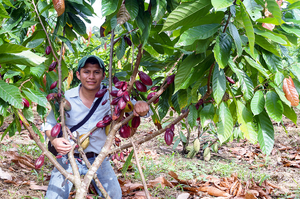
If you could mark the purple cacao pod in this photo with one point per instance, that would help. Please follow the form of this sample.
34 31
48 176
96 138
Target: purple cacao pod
114 93
48 50
39 162
231 81
25 102
101 124
107 119
151 95
124 87
172 127
140 86
170 79
119 84
168 138
101 92
135 122
55 130
121 104
120 93
104 102
155 88
115 101
115 80
53 85
126 96
52 66
145 78
125 131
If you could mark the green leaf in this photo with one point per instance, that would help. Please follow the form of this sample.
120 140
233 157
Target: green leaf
294 5
10 94
192 117
42 111
77 23
291 29
182 98
236 38
163 104
67 42
270 20
289 113
265 44
36 96
28 114
8 3
109 6
257 102
274 106
265 133
186 13
222 49
35 43
257 66
158 9
24 58
245 119
132 7
207 113
272 36
6 130
280 93
176 144
220 4
249 28
278 78
38 71
273 62
225 126
253 9
127 162
274 9
185 69
218 84
196 33
11 73
174 100
182 137
120 51
12 48
3 12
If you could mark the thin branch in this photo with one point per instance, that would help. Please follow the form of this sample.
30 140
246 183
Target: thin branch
44 31
111 56
135 70
208 92
24 83
227 22
140 170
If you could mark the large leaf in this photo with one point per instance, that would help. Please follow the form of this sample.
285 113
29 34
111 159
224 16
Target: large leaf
274 9
265 44
249 28
280 93
78 24
109 6
163 104
10 94
294 5
257 103
272 36
121 49
186 13
220 4
257 65
265 133
207 113
236 38
23 58
245 119
222 49
36 96
219 84
196 33
274 106
11 48
225 126
273 62
289 113
185 69
158 9
291 29
192 117
3 12
132 7
182 98
253 9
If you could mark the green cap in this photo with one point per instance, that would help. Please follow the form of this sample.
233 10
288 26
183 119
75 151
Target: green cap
82 62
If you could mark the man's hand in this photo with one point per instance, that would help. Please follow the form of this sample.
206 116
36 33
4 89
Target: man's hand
61 145
141 108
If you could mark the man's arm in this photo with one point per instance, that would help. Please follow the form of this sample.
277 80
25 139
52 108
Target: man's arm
61 145
141 108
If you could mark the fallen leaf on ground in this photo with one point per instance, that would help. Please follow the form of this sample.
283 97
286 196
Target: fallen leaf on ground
183 196
34 186
160 181
5 175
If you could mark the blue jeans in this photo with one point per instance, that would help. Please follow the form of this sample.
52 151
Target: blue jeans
105 174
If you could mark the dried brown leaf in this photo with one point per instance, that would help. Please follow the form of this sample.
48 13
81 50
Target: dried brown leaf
213 191
160 180
123 15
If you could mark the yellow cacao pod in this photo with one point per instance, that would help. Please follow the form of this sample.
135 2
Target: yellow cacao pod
59 6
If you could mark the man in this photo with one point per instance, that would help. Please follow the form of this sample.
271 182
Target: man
90 72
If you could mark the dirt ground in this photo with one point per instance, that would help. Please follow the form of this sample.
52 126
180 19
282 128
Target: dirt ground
18 180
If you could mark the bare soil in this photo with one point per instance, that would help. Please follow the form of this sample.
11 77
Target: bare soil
282 166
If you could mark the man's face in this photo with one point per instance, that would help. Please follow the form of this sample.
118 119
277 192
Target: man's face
90 76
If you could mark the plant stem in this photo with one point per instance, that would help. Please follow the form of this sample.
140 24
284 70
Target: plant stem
188 136
140 170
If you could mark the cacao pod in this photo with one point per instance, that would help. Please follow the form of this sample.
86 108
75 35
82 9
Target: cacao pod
53 85
121 104
168 138
118 157
115 101
107 119
117 110
127 39
290 91
119 84
25 102
101 92
140 86
107 129
124 87
115 80
172 127
101 124
104 102
199 103
117 139
151 95
168 130
129 107
170 79
58 156
145 78
114 93
39 162
55 130
113 157
136 120
231 81
50 96
155 88
59 6
52 66
59 95
67 105
48 50
121 156
85 143
126 96
125 131
120 93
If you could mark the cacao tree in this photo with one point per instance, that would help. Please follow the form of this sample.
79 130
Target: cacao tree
228 62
